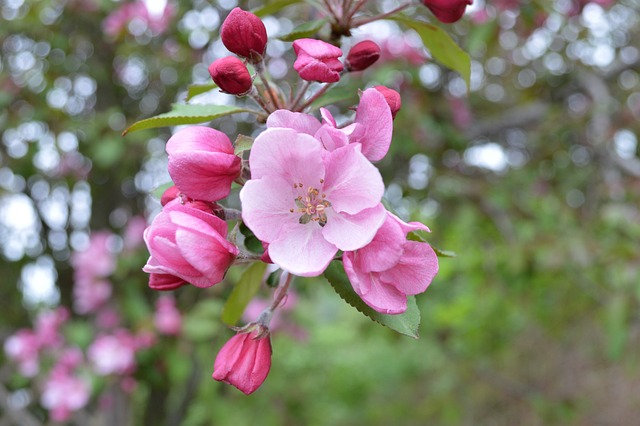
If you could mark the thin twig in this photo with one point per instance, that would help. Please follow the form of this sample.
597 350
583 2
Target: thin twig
358 22
260 70
301 92
314 97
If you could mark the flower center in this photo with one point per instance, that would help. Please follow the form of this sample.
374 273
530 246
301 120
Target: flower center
312 205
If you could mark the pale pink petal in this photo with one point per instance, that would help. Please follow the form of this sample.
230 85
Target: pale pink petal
352 183
302 250
287 154
331 137
199 138
327 117
384 250
266 205
416 269
298 121
379 296
409 227
351 232
374 115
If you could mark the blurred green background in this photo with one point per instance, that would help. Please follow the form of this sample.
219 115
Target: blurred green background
532 177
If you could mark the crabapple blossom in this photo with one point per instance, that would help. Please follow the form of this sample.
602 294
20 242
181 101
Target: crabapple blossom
113 353
245 360
362 55
372 127
391 267
23 348
392 97
231 75
317 60
187 244
447 11
307 203
202 163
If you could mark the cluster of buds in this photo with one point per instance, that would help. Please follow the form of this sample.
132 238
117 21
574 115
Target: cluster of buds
310 193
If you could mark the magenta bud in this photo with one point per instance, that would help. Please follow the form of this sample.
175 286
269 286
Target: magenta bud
244 34
317 60
392 97
362 56
447 11
165 282
169 194
245 360
231 75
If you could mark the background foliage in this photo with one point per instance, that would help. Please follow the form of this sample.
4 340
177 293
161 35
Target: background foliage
532 179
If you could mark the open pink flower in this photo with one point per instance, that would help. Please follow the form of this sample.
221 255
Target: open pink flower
23 347
188 244
202 163
244 361
63 394
372 127
391 267
307 203
317 60
113 353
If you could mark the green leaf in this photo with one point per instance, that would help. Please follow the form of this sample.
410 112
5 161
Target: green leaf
406 323
305 30
441 46
421 236
157 193
273 7
198 89
335 95
185 114
242 143
243 292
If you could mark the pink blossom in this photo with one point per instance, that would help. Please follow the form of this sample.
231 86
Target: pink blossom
22 347
89 295
202 163
189 244
231 75
391 267
244 34
97 260
133 233
113 353
47 327
64 394
244 361
372 128
167 318
118 20
307 203
317 60
165 282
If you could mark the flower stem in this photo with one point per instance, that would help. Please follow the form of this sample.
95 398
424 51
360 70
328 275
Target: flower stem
265 82
300 94
314 97
281 290
358 22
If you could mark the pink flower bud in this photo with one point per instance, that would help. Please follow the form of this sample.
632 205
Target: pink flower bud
392 97
362 56
447 11
202 163
170 194
244 361
188 244
317 60
165 282
231 75
244 34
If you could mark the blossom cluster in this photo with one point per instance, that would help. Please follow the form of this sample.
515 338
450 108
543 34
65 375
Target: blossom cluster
309 191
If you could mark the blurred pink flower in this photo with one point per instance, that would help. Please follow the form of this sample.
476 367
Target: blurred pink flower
97 260
64 394
307 203
118 20
22 347
133 233
47 327
113 353
167 318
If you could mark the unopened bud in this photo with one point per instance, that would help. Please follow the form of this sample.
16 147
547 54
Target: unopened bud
362 56
244 34
169 195
231 75
392 97
447 11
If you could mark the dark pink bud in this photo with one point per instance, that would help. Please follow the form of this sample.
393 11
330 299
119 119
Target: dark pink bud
245 360
447 11
170 194
231 75
362 56
317 60
165 282
244 34
392 97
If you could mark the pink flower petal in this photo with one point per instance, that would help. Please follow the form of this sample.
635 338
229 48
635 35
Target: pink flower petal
199 138
374 115
300 122
351 232
352 183
294 156
331 137
384 251
416 269
380 296
302 250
